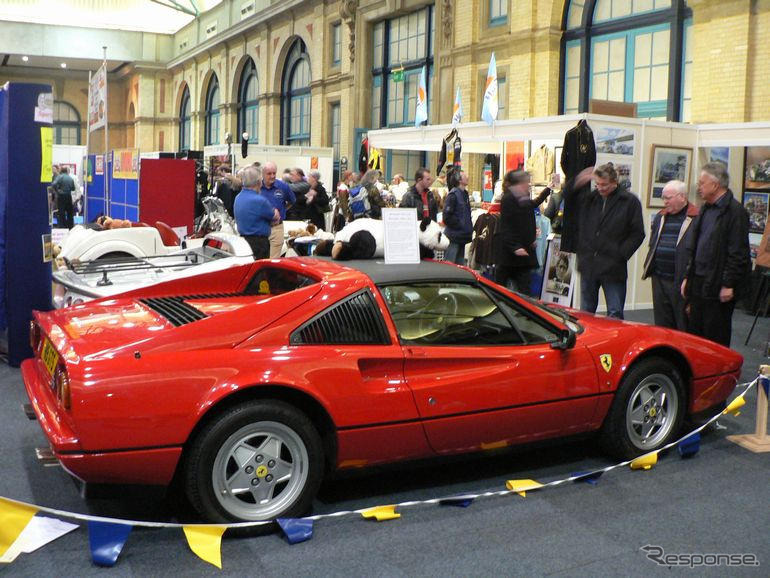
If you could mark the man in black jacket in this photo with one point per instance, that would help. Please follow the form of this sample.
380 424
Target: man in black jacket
610 231
420 197
720 261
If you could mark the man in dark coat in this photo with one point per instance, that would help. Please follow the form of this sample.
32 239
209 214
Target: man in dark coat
316 200
720 258
458 224
611 230
299 186
579 153
666 262
64 185
516 234
419 196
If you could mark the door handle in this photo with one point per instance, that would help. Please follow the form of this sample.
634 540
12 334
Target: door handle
416 352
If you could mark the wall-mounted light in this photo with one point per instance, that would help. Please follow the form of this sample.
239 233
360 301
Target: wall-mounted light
25 58
63 65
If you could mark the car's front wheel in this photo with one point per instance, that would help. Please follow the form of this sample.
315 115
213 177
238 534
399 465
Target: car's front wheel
256 461
647 411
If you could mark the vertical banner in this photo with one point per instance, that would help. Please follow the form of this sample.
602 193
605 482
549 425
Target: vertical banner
97 100
489 108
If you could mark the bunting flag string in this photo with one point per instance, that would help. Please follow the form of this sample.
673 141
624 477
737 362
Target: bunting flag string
107 536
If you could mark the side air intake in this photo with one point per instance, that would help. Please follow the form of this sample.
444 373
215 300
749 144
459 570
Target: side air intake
354 321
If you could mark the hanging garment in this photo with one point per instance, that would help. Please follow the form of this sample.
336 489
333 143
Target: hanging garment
451 148
363 156
375 159
540 165
483 244
579 152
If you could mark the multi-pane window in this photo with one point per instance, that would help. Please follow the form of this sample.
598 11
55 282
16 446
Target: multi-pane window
624 63
498 12
296 97
336 44
403 45
334 132
687 52
212 112
184 121
66 124
502 98
248 103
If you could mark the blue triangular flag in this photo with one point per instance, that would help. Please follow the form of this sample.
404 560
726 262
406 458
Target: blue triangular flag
689 446
296 529
587 477
459 501
107 541
764 381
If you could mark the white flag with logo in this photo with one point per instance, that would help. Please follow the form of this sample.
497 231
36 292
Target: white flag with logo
457 112
97 99
421 112
489 109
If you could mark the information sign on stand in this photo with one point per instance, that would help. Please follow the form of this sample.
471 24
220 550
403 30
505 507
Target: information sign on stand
402 245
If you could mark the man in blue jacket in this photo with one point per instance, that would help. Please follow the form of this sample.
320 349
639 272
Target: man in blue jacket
458 225
282 198
254 214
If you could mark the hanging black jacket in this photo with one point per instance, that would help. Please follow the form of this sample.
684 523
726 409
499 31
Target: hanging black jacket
363 156
579 152
451 149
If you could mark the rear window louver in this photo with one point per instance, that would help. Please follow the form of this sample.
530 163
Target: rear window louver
175 309
356 320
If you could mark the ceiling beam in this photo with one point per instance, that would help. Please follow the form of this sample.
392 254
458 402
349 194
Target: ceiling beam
193 11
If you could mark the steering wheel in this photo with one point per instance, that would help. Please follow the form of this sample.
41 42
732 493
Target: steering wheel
431 320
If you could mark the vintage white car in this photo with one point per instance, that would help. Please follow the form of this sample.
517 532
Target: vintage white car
79 281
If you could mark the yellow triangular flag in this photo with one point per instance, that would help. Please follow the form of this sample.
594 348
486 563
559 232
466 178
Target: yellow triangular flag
14 517
645 462
206 542
381 513
735 405
521 487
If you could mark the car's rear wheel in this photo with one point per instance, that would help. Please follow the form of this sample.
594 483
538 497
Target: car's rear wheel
256 461
647 411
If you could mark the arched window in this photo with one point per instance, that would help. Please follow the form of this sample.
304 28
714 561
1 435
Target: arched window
184 121
66 124
632 51
248 105
212 112
295 105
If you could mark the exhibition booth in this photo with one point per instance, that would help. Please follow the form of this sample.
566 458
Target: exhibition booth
645 153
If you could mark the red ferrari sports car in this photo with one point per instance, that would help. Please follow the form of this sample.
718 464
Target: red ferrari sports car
249 385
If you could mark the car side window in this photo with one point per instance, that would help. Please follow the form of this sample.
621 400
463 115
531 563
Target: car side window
448 314
531 330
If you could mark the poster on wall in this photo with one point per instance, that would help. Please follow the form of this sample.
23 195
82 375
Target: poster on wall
668 164
47 248
46 154
719 155
622 164
99 165
514 155
97 97
756 205
125 164
757 165
560 274
614 140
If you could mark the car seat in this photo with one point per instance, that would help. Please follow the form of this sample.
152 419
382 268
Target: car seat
167 234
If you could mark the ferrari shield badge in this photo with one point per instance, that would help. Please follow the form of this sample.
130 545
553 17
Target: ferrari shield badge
606 361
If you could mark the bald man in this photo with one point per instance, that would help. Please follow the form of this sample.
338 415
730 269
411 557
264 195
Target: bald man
666 262
281 197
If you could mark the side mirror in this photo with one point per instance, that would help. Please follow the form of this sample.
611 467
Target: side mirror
566 340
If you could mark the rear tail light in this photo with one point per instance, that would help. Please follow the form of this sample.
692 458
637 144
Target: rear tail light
213 243
34 335
62 384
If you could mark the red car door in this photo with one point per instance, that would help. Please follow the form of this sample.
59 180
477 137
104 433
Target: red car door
483 371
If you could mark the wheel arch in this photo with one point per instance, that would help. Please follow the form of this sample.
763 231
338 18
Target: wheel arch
675 357
304 402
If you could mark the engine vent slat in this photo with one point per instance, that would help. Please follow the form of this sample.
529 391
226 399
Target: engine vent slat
356 320
174 309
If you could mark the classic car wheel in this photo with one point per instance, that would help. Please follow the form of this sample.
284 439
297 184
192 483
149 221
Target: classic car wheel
647 411
256 461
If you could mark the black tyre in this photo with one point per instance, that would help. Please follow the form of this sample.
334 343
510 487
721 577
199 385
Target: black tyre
256 461
648 409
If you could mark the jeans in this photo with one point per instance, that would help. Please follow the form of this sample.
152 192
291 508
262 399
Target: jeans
455 253
614 295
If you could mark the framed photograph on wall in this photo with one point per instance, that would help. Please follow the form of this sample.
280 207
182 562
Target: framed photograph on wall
668 164
756 205
757 172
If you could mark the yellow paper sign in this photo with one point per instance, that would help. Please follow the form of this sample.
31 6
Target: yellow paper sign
206 542
46 154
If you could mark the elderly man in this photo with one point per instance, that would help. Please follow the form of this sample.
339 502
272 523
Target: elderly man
610 231
666 261
254 214
281 197
719 257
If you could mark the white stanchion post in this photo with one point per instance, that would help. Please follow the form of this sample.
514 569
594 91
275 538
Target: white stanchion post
759 441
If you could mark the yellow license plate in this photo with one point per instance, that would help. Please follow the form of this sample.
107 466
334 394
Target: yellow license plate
49 356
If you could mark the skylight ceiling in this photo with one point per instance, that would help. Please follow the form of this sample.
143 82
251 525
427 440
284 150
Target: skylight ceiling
142 15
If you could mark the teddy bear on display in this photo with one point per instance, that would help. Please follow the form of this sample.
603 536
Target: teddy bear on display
432 238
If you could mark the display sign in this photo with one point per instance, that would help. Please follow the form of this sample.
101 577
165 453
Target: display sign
46 154
402 244
125 164
397 75
97 99
44 108
560 274
47 248
99 162
488 191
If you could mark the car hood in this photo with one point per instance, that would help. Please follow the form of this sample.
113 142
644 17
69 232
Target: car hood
111 327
